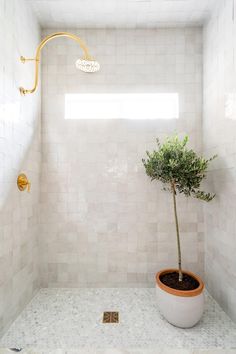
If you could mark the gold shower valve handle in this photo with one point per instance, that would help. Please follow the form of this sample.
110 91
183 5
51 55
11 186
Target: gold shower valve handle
23 182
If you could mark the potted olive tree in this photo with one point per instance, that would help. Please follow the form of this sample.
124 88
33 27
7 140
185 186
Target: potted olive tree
181 170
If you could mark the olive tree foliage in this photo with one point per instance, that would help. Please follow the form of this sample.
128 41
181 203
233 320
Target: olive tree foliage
180 170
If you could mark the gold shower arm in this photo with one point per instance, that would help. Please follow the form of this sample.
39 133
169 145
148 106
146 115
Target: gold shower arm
87 56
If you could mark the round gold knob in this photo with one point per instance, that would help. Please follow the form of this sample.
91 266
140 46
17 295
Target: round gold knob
23 182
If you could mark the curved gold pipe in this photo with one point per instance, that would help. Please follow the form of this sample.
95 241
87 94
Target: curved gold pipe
24 91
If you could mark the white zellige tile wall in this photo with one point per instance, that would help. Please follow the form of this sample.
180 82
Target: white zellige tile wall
219 132
19 152
103 223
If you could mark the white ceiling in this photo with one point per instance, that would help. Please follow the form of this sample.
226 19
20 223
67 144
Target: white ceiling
121 13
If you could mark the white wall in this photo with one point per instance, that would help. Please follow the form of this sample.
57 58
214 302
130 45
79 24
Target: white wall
219 137
19 152
103 222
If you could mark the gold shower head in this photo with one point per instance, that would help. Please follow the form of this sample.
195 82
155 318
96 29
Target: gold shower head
86 64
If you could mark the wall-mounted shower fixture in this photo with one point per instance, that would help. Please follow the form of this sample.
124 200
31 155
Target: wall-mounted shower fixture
86 64
23 182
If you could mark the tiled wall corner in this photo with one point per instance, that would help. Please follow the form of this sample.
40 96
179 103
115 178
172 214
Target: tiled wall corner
19 152
219 137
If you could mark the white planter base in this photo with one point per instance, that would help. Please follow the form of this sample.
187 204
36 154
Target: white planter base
181 308
184 312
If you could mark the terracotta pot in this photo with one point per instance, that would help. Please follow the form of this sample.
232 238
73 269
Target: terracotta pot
180 307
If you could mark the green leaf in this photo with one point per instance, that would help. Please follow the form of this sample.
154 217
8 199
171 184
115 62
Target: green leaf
173 162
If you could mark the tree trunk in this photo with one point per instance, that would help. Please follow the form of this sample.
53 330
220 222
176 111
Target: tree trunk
177 231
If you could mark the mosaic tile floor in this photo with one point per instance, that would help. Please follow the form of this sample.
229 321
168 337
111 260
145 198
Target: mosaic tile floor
120 351
72 318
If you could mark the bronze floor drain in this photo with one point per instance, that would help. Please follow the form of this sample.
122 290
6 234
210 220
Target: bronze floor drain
110 317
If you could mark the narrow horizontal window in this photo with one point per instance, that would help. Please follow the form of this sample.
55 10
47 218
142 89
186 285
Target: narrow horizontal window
122 106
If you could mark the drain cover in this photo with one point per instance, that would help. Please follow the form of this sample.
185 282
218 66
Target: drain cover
110 317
